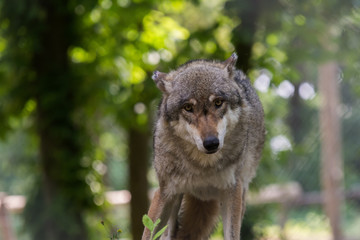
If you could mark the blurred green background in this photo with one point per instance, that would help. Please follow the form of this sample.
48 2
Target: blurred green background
77 105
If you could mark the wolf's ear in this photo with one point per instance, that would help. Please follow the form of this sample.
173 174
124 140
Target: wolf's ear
229 64
161 82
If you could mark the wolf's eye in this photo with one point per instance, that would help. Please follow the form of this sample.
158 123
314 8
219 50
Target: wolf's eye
218 102
188 107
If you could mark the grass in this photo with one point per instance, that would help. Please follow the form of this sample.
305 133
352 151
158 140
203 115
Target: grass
302 224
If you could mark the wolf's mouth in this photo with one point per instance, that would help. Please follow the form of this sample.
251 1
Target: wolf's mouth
211 151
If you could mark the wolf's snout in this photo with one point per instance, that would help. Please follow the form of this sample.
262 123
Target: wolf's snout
211 144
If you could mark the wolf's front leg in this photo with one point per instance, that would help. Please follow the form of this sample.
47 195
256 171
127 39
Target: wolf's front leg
172 222
162 207
232 208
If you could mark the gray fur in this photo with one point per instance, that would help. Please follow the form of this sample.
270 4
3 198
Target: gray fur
182 167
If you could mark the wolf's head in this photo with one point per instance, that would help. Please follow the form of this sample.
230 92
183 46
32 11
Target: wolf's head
202 101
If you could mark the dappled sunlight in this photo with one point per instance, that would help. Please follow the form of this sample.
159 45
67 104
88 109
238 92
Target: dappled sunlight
78 103
306 91
280 143
262 83
285 89
314 226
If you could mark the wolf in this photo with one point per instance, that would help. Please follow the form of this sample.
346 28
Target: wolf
208 140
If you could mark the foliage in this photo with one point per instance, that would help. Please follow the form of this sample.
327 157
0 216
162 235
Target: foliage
291 41
114 233
40 82
104 89
149 224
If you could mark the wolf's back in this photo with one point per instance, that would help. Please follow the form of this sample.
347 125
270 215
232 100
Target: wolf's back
208 141
256 118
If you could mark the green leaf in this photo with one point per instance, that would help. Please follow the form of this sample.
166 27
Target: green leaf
159 233
156 222
148 223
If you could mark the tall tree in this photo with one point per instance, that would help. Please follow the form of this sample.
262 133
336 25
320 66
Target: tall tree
331 155
39 35
244 34
138 161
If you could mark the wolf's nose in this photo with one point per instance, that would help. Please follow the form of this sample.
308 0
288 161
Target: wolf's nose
211 143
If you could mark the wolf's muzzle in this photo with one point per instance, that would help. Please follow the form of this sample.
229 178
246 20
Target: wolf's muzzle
211 144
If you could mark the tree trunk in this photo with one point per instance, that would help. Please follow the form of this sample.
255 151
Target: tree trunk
243 35
138 163
55 211
332 166
294 118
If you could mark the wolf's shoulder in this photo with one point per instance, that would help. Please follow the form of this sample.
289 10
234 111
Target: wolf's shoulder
242 80
250 94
